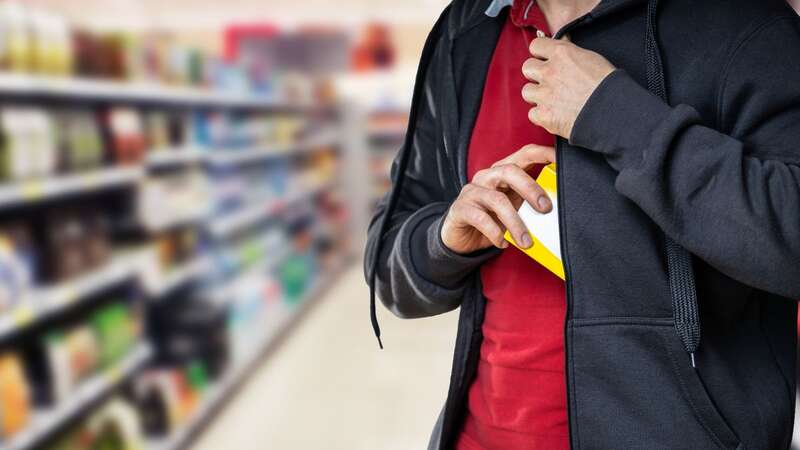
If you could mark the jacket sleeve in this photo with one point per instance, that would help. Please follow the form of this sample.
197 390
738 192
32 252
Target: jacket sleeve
729 196
416 274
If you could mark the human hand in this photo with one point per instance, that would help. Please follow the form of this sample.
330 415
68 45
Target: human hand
488 205
563 76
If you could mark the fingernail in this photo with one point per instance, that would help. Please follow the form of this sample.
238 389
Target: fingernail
526 241
544 203
504 245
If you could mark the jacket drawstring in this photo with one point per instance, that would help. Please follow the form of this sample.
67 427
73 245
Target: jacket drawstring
402 165
679 261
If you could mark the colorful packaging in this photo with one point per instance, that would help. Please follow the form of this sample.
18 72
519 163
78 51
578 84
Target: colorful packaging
15 400
543 228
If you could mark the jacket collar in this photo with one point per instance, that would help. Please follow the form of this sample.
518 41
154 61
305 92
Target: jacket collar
467 14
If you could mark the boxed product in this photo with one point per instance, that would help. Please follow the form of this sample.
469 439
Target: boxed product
15 401
27 143
544 228
17 265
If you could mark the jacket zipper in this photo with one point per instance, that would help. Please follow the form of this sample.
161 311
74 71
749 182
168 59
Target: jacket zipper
565 255
568 276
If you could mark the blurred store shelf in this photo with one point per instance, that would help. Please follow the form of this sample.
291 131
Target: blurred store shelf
14 84
235 157
169 157
35 190
155 223
281 317
46 422
247 216
46 302
159 284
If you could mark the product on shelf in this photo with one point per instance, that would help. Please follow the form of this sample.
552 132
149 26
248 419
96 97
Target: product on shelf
117 427
177 247
16 53
156 396
17 265
166 131
75 240
15 401
51 43
114 426
80 140
98 238
65 234
188 398
191 329
296 273
173 199
73 356
69 355
126 135
117 328
27 143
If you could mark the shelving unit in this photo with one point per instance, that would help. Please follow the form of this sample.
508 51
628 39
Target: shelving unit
25 85
385 135
35 190
240 252
136 266
162 158
47 302
222 391
47 422
159 285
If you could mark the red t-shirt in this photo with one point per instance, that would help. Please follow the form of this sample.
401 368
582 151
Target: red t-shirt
518 398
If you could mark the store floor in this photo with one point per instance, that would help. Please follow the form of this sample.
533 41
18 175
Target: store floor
329 387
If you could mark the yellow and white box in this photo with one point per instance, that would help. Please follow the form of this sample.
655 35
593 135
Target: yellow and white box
543 228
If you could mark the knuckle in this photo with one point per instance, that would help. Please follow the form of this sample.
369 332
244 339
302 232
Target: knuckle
484 221
497 198
475 216
507 170
560 50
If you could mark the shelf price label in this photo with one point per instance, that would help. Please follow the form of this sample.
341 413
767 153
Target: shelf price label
23 316
66 295
90 181
32 190
114 375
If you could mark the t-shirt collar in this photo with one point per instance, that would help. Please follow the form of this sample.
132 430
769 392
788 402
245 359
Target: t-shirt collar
524 13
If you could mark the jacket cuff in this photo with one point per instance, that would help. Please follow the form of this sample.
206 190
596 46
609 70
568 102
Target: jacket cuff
432 259
618 120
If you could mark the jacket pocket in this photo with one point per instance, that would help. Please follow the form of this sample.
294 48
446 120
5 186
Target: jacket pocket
632 386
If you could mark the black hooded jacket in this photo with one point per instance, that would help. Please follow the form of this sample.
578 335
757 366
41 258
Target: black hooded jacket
715 168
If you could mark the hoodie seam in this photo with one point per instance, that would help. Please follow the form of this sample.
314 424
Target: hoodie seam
747 37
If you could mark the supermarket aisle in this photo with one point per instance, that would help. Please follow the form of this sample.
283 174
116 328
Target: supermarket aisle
329 387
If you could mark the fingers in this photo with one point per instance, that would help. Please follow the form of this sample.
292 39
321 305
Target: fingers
533 69
543 117
471 213
515 178
533 93
528 156
543 47
502 208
